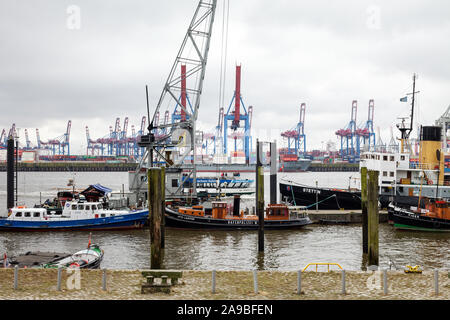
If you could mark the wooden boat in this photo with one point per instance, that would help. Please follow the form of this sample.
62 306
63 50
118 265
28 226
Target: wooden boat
31 259
435 216
89 258
277 216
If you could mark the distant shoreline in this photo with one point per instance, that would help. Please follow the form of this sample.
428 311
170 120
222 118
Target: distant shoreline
125 167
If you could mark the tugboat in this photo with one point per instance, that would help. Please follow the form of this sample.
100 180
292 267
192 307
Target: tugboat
219 216
435 216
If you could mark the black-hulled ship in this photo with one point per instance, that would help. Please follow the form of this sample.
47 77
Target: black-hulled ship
324 198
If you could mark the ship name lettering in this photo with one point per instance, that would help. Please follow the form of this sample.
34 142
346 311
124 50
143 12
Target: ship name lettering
308 190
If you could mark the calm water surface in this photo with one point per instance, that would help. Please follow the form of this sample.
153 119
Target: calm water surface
222 250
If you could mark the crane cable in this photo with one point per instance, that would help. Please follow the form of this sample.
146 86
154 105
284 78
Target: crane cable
224 49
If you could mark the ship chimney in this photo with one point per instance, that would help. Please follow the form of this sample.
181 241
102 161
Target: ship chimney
236 205
430 149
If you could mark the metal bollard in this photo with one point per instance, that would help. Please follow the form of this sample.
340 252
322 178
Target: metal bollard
299 282
16 277
343 281
385 284
58 282
104 280
436 281
213 290
255 281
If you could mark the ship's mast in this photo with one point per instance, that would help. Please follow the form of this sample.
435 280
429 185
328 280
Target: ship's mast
406 131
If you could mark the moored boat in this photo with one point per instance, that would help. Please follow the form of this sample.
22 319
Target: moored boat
223 186
435 216
297 165
76 215
325 198
89 258
277 216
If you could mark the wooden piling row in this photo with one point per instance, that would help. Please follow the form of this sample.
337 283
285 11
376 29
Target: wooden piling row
154 176
372 218
364 209
163 206
273 172
260 195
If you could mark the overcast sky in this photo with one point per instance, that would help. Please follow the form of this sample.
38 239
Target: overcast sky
323 53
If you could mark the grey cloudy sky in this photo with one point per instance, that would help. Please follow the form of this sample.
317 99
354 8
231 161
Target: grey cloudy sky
323 53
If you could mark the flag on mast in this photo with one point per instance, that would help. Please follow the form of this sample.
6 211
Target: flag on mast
404 99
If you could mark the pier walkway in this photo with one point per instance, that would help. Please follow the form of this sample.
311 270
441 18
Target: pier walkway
196 285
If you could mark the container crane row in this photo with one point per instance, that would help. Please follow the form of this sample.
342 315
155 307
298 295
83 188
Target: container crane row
239 134
296 139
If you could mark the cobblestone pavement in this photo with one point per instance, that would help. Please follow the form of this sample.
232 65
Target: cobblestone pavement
41 284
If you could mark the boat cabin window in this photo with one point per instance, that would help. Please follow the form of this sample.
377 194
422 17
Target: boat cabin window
94 207
219 205
391 158
87 207
174 183
278 211
103 215
27 214
391 174
80 207
385 158
441 204
36 214
74 207
18 214
384 173
402 157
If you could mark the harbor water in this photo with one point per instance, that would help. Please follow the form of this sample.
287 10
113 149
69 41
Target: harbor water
222 250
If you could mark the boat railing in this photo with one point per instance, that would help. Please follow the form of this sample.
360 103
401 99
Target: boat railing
298 212
421 166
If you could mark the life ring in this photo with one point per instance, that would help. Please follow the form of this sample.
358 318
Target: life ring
74 264
430 182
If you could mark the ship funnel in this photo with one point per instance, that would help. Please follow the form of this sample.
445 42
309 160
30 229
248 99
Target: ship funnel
430 146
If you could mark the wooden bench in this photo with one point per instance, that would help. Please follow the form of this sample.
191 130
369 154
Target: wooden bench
152 285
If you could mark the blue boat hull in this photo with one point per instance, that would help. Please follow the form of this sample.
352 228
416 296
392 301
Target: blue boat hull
129 221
